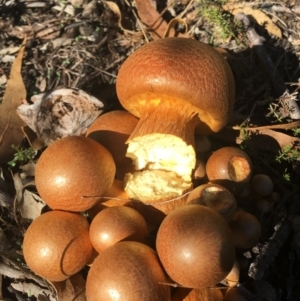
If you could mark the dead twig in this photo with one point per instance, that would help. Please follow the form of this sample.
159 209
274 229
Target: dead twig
285 126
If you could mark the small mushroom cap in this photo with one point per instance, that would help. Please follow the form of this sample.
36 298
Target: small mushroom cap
233 278
127 271
115 224
195 246
57 245
112 129
185 71
230 167
216 197
72 168
262 184
246 230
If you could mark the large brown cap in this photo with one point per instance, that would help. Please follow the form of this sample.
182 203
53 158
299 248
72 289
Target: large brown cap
72 168
195 246
184 71
57 245
127 271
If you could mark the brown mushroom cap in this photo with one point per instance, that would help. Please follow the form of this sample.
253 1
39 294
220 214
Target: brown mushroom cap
202 294
71 168
112 130
216 197
188 72
127 271
195 246
262 184
246 230
115 224
56 245
233 278
230 167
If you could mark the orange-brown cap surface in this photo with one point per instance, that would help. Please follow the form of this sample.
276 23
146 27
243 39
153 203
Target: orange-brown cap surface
183 70
57 245
72 168
112 130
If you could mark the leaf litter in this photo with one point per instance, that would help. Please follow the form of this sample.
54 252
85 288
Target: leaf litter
73 61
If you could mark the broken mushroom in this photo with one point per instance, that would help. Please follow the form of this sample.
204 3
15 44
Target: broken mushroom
175 86
216 197
230 167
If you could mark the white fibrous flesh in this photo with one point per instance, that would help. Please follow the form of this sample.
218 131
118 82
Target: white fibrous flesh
164 165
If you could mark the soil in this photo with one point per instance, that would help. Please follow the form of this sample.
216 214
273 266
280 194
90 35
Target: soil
82 44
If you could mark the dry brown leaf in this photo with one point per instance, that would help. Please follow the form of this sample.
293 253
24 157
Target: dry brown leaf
171 27
4 242
31 289
157 27
72 289
271 140
262 138
150 17
116 10
261 18
32 205
28 203
10 123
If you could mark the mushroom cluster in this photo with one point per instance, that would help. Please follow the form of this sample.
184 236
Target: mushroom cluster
147 219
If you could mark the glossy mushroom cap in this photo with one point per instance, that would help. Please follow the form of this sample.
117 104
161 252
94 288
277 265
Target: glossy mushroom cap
111 130
216 197
72 168
115 224
233 278
174 85
195 246
127 271
230 167
57 245
185 71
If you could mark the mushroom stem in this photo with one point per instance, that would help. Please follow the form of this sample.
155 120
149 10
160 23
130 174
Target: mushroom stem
162 150
163 117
